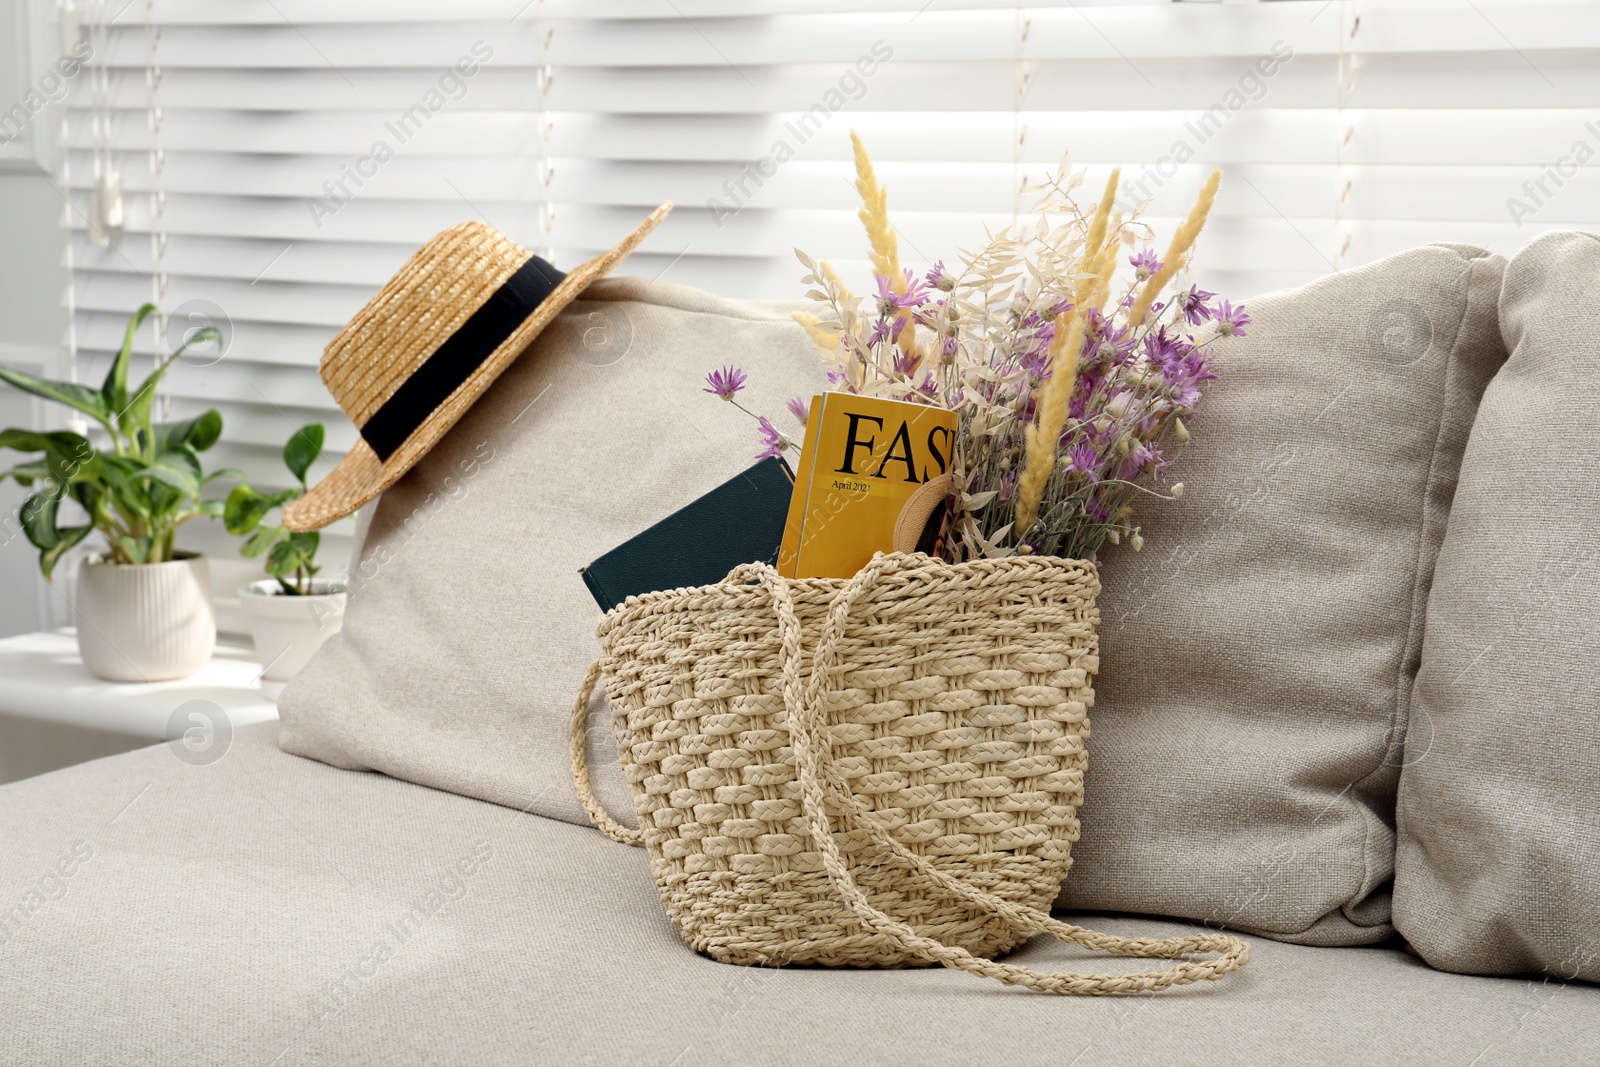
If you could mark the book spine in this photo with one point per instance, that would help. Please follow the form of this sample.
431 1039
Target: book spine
794 522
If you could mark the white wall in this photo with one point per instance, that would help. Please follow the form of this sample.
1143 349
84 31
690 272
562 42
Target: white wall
32 320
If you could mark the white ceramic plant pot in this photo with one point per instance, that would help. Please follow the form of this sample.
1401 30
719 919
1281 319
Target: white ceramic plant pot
145 622
288 630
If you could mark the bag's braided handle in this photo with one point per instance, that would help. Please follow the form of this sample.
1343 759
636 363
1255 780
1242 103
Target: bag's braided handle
578 759
807 729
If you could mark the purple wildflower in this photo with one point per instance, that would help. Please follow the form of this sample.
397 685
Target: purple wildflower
948 347
1231 319
799 407
1083 460
928 387
1183 377
1145 263
1195 308
773 443
916 290
906 362
1139 458
889 300
1161 349
940 279
725 382
1105 340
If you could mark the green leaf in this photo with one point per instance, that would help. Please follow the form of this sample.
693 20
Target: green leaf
70 536
114 393
303 449
284 558
27 473
133 418
177 468
173 477
213 508
261 540
67 455
306 542
78 397
122 477
225 472
137 549
46 441
87 494
292 553
244 510
39 517
199 433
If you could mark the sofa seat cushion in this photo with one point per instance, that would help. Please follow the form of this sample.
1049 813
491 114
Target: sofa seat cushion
264 909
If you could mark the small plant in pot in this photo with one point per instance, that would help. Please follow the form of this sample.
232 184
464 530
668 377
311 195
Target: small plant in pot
143 607
292 611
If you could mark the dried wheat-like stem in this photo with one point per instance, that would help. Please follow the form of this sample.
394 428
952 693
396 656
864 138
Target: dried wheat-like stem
1095 290
1177 252
1097 228
874 215
1097 269
827 341
885 246
1044 435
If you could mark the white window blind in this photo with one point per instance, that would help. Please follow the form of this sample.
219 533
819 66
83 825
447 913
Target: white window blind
1347 130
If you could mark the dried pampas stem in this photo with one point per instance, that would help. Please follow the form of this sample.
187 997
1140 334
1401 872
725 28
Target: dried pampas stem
1178 251
827 341
1097 229
874 214
1054 402
885 246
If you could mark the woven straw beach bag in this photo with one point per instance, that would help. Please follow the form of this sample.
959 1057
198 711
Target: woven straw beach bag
880 771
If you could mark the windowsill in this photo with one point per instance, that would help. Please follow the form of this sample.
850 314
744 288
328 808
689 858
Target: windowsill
42 678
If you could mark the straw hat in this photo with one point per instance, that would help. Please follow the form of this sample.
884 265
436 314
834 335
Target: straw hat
437 335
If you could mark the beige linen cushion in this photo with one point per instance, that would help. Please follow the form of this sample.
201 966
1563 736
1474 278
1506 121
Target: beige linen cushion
1257 656
1498 868
468 628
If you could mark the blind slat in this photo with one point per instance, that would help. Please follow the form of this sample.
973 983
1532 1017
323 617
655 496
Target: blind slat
1454 107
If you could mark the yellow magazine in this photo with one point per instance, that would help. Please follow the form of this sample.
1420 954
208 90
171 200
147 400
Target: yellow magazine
872 476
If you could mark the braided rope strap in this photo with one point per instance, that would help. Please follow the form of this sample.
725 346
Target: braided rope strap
578 758
822 788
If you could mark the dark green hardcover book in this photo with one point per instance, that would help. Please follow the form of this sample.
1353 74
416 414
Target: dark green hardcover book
740 521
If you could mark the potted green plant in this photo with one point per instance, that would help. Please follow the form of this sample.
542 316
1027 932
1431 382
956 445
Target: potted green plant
292 611
143 606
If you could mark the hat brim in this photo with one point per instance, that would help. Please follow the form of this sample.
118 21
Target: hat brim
360 476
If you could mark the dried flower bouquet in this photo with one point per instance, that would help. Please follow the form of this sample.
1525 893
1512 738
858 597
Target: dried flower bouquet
1072 385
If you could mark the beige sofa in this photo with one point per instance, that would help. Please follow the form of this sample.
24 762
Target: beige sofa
1346 708
267 909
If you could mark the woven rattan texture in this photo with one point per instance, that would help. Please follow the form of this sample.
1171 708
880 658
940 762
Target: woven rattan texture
427 300
439 288
957 714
